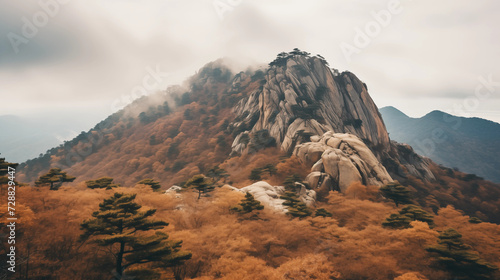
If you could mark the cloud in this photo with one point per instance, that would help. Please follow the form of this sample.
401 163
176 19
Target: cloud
93 52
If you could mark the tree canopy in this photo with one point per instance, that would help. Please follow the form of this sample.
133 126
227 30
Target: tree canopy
397 193
201 184
458 257
248 204
55 178
101 183
155 185
296 208
118 222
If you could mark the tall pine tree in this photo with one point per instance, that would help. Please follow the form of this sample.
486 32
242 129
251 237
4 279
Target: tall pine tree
117 224
459 259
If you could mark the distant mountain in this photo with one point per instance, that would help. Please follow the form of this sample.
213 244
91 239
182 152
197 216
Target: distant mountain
23 138
469 144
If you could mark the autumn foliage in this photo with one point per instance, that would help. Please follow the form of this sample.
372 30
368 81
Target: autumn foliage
351 244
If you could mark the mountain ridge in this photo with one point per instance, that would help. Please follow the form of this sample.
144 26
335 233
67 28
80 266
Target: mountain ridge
440 135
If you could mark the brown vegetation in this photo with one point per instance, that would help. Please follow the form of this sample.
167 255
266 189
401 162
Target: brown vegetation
352 244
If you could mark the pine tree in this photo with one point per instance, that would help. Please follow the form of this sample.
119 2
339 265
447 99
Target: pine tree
216 173
289 182
406 216
416 213
155 185
322 212
296 208
55 178
101 183
117 223
201 184
255 174
397 221
458 257
397 193
270 168
248 205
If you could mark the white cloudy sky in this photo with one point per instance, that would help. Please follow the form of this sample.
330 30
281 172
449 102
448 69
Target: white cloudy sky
92 52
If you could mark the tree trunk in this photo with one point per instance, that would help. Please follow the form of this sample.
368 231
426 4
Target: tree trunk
119 258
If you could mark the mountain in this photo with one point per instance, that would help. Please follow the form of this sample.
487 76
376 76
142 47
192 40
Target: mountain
298 168
296 119
469 144
26 137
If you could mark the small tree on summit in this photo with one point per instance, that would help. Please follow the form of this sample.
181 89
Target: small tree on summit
55 178
397 193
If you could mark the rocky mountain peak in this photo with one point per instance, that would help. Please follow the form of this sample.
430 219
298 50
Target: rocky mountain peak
302 100
301 95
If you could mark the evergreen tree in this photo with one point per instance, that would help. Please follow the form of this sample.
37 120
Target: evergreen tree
248 204
255 174
117 222
322 212
407 215
201 184
397 221
289 182
416 213
101 183
458 257
296 208
270 168
155 185
216 173
55 178
397 193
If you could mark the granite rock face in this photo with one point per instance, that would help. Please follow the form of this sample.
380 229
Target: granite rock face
306 97
270 195
337 160
299 101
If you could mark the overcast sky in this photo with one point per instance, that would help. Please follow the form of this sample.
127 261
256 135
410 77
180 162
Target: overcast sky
87 54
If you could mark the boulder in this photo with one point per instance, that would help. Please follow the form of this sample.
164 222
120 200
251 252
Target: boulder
270 195
345 159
